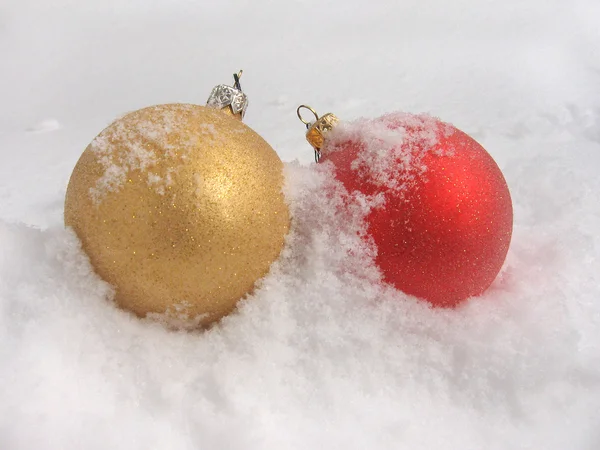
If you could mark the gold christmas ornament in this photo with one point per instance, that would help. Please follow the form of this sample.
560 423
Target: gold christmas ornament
180 208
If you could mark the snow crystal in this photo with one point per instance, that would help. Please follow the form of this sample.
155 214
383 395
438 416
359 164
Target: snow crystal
391 147
178 317
137 147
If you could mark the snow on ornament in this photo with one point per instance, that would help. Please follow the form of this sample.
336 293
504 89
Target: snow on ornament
180 208
444 221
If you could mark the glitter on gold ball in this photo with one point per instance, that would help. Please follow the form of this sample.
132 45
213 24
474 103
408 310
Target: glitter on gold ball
180 208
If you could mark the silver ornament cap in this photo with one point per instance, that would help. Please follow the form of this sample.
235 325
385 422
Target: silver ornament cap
229 97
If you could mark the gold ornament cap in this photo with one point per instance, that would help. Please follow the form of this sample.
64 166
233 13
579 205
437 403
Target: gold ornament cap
317 129
229 99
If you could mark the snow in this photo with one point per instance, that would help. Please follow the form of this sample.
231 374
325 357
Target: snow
139 134
392 147
322 355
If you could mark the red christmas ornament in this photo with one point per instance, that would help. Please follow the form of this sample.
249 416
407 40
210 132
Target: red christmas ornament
445 221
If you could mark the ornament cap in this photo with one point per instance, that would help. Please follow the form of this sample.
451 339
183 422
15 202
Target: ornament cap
317 129
229 99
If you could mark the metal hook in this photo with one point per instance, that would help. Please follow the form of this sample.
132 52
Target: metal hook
308 124
317 155
236 78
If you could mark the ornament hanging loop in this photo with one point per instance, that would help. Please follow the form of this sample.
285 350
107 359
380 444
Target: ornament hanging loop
236 79
317 129
308 124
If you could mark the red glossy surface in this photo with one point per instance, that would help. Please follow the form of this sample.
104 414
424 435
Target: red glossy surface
445 239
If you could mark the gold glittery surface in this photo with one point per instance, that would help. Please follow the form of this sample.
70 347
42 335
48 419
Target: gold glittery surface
180 207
